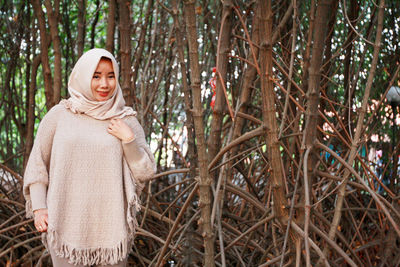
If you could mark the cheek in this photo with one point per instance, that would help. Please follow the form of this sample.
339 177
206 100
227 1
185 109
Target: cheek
93 86
113 85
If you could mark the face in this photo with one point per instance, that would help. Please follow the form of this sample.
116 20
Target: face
103 81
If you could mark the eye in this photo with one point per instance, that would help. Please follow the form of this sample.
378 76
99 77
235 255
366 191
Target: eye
111 77
96 76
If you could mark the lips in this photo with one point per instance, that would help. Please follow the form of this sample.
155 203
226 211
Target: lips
103 94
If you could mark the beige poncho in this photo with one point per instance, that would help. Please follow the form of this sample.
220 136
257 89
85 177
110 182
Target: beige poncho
89 180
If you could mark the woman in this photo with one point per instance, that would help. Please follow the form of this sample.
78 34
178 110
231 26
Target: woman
87 168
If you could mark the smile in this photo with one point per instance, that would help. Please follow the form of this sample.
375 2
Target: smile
103 94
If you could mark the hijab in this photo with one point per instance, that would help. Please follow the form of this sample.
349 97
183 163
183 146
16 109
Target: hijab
79 87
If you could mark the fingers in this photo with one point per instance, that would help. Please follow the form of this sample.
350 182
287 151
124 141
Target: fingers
120 129
41 226
41 221
113 124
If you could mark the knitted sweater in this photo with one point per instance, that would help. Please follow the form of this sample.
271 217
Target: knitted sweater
90 182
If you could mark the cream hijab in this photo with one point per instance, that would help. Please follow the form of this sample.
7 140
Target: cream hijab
79 88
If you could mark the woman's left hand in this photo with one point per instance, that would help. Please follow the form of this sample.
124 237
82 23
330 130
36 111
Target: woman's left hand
121 130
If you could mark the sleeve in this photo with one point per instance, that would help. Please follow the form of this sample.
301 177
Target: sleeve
138 155
38 193
36 176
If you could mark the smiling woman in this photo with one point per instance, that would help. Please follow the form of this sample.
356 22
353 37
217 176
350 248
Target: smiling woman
87 168
103 81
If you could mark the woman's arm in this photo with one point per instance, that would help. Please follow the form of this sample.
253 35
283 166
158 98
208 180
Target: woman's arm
137 153
140 160
36 176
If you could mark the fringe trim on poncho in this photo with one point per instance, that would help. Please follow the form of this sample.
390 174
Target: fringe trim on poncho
28 209
96 256
87 256
133 208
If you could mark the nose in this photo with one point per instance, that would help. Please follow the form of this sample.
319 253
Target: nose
104 82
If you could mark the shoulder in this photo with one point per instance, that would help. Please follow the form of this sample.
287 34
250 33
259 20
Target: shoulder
134 123
56 110
131 120
53 115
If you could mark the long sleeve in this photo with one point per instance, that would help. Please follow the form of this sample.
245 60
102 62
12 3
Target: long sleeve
36 176
38 193
137 153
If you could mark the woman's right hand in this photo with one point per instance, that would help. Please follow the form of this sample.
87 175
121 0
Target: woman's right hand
41 219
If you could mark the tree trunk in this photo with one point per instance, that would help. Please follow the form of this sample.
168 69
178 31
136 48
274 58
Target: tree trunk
80 42
44 52
52 16
94 24
30 115
248 77
312 117
224 47
191 243
307 51
269 113
125 50
111 26
310 132
352 13
204 179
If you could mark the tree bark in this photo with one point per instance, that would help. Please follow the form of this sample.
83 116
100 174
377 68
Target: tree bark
94 24
52 15
250 73
314 71
44 53
111 26
313 101
353 13
30 115
307 51
190 257
223 50
125 49
269 113
204 179
80 42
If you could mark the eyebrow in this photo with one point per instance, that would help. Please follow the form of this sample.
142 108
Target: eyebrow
97 72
